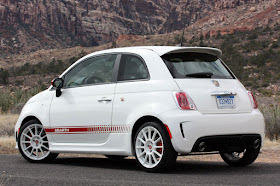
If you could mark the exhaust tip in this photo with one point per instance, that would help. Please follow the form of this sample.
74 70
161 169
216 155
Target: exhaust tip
202 146
257 143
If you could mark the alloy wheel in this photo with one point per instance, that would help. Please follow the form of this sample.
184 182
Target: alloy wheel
34 142
149 147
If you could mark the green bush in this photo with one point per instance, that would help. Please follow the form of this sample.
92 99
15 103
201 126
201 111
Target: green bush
9 100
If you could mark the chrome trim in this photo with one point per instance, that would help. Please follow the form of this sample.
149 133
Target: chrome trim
104 99
222 93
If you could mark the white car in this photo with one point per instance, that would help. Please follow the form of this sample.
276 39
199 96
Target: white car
149 102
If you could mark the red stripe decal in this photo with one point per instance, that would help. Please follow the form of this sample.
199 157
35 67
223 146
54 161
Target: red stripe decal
88 129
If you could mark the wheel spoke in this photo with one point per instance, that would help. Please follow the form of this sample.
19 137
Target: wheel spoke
140 147
30 131
36 130
149 133
158 147
145 135
44 136
25 141
154 158
141 140
141 154
31 153
42 151
158 140
27 136
27 148
158 153
36 152
45 147
145 159
154 135
150 160
41 132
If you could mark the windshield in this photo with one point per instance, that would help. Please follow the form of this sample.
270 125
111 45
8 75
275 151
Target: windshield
196 65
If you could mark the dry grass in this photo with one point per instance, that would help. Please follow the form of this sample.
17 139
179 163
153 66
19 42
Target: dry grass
268 144
7 140
7 145
7 124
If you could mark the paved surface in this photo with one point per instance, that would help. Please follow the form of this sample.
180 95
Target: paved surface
102 171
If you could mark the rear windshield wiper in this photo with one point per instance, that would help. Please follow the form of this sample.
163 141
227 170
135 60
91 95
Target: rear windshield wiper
201 75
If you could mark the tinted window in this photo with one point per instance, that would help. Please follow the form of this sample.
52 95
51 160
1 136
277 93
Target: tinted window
132 68
196 65
94 70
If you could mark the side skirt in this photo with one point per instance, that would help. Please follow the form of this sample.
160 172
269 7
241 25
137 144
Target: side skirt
117 144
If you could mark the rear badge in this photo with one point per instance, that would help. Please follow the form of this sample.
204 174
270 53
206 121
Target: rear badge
216 83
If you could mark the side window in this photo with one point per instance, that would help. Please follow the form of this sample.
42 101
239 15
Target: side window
132 68
95 70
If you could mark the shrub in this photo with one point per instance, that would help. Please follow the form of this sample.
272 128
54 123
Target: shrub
4 76
12 100
274 45
179 39
272 120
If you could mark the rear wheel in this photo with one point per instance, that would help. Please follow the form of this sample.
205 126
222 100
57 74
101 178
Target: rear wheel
33 143
153 149
247 157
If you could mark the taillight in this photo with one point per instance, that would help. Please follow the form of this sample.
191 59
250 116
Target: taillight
253 100
184 101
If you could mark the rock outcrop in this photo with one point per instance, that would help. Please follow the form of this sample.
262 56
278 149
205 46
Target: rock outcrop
29 25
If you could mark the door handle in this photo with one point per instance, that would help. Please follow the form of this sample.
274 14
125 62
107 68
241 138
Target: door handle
222 93
105 99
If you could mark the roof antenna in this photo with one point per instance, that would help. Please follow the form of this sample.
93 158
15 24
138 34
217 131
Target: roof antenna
182 37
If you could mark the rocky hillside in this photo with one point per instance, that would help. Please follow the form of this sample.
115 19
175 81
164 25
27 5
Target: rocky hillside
30 25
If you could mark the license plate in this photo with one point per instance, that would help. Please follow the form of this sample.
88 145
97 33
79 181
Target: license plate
225 102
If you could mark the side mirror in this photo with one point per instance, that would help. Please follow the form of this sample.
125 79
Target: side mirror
57 83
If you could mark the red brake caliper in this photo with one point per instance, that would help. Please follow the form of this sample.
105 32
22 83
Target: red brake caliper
159 150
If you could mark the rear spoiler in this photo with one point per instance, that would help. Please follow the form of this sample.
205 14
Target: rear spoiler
207 50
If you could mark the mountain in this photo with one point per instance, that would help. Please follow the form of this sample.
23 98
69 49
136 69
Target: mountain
31 25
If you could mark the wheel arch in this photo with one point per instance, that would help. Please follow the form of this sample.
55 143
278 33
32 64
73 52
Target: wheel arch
138 124
28 118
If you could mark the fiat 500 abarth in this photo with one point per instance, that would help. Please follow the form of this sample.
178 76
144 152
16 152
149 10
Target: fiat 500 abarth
154 103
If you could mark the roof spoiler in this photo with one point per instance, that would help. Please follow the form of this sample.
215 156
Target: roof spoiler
207 50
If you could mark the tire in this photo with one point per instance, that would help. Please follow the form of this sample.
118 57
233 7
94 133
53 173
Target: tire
115 157
33 143
237 159
153 149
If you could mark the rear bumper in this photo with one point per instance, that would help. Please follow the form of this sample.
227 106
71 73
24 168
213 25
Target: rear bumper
187 127
227 143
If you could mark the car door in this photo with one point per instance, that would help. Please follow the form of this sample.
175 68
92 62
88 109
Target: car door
82 114
132 91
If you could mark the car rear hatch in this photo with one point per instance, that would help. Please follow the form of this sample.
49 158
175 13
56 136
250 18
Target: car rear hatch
205 78
209 99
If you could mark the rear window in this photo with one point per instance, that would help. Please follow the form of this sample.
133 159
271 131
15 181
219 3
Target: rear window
196 65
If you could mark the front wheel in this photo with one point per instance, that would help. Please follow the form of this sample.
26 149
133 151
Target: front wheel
237 159
33 143
153 149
